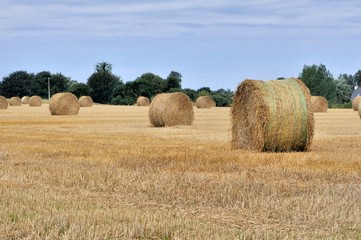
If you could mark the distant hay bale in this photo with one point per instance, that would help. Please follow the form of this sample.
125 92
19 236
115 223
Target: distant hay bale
143 101
15 101
25 100
170 109
64 104
359 110
356 102
272 116
319 104
35 101
205 102
85 101
3 102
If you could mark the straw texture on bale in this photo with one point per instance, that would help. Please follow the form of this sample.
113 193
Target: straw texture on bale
272 116
15 101
85 101
25 100
319 104
356 102
64 104
3 102
35 101
359 110
143 101
205 102
171 109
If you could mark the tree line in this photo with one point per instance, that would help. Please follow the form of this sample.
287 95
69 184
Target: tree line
107 88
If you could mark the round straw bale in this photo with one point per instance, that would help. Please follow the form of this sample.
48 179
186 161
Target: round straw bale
64 104
25 100
205 102
356 102
143 101
15 101
170 109
272 116
35 101
319 104
3 102
85 101
359 110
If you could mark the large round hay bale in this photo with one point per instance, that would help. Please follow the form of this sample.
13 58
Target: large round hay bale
170 109
205 102
356 102
143 101
25 100
3 102
35 101
359 110
319 104
85 101
272 116
64 104
15 101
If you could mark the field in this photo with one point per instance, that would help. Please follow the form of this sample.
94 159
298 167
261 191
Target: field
107 174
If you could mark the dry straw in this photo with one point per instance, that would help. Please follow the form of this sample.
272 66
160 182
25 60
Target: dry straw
319 104
25 100
205 102
143 101
359 110
64 104
85 101
356 102
15 101
3 102
35 101
171 109
272 116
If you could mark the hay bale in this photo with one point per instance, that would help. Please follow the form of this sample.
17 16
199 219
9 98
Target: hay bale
272 116
170 109
359 110
143 101
356 102
25 100
3 102
319 104
35 101
85 101
205 102
64 104
15 101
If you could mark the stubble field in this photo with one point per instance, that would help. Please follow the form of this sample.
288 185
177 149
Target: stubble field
107 174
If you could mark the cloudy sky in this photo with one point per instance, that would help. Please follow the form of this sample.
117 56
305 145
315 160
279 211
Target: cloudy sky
215 43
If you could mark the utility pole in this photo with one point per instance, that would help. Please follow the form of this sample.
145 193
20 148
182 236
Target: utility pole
49 88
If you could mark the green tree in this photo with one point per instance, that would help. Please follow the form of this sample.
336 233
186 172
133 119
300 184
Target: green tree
357 78
58 83
174 80
17 84
343 91
103 81
39 85
80 89
320 81
149 85
350 80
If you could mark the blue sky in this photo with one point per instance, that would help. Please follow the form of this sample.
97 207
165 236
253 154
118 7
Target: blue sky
214 43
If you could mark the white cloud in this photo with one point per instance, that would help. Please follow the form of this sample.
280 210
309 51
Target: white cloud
171 18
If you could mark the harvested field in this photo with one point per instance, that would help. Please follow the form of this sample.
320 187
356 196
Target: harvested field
107 174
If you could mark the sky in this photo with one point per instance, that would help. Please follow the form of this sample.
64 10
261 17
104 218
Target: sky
211 43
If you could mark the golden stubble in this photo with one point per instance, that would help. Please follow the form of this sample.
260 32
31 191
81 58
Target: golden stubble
108 174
